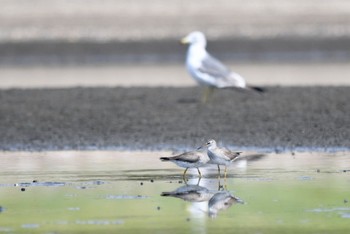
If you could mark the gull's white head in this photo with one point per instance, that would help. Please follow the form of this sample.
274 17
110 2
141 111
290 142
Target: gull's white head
195 38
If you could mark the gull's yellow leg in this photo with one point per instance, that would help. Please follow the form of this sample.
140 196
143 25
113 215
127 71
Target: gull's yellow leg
208 92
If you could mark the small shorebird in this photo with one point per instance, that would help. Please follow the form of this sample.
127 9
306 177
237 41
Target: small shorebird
192 159
209 71
220 156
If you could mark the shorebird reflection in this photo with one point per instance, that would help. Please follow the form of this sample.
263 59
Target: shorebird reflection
221 200
190 193
217 200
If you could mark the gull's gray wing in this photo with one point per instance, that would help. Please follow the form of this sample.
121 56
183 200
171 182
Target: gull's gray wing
214 68
223 76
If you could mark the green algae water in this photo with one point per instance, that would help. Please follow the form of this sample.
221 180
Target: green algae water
134 192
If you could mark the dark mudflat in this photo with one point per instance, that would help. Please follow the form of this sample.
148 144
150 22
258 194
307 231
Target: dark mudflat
173 118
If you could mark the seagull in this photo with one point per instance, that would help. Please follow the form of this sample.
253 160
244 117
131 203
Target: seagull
209 71
192 159
220 156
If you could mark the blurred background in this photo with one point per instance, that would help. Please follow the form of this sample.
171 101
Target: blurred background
69 43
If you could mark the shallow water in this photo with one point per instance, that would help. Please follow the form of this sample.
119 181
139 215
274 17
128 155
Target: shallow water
90 192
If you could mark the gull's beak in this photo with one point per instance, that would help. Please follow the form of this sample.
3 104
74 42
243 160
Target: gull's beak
184 41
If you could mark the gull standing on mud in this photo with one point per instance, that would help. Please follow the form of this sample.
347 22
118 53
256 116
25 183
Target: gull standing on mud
192 159
209 71
220 156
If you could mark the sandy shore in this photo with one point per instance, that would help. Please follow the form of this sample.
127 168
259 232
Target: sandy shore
172 118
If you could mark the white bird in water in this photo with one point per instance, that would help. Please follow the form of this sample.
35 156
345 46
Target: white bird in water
220 156
209 71
192 159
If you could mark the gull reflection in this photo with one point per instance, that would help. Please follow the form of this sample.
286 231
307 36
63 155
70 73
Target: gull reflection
209 201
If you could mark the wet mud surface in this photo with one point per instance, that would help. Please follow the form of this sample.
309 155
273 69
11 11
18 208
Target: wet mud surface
283 118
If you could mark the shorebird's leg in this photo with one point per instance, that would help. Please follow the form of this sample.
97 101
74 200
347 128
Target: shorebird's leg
208 92
225 172
184 175
199 172
219 170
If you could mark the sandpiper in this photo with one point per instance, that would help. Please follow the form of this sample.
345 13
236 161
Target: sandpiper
209 71
219 155
192 159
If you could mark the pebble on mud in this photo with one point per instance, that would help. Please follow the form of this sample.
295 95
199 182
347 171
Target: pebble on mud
141 183
158 207
35 181
23 189
346 200
152 181
318 170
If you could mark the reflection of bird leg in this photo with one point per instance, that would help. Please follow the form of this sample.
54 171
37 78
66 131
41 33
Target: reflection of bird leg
184 175
208 92
199 172
219 171
199 180
222 187
225 172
